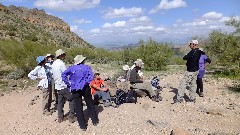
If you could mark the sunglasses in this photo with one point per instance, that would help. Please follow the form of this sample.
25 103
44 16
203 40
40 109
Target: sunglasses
191 43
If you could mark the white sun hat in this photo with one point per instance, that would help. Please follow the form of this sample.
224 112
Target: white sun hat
59 52
79 59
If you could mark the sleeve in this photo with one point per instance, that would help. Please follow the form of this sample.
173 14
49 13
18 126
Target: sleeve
89 76
63 67
187 56
208 60
92 83
65 75
33 74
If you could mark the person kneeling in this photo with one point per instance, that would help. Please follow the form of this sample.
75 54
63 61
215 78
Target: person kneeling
100 90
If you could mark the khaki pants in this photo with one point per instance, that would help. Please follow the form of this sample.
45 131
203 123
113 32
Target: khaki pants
125 86
189 79
47 98
146 85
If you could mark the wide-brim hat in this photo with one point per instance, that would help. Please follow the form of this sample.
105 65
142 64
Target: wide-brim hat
49 55
139 63
126 67
59 52
194 42
79 59
40 59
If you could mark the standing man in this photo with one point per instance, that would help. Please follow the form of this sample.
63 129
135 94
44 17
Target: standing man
203 60
80 77
58 67
190 76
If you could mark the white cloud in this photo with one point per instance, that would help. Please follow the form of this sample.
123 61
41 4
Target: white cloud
140 19
74 28
212 15
95 30
213 27
196 23
166 4
82 21
116 24
160 29
66 5
142 28
123 12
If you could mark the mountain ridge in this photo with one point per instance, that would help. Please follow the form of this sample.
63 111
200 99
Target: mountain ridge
21 23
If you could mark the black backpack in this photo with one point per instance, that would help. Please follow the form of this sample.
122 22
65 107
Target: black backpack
120 97
131 96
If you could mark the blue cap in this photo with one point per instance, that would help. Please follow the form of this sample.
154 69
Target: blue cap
40 59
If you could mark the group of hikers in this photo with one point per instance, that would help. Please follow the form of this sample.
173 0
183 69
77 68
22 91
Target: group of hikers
78 80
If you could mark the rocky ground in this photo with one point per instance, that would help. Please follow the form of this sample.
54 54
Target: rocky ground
217 113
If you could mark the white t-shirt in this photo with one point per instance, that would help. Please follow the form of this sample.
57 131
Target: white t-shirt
58 67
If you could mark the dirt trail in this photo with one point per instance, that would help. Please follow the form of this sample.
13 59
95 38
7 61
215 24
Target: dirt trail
217 112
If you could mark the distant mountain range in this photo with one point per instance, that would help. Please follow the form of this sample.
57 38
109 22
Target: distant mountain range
20 23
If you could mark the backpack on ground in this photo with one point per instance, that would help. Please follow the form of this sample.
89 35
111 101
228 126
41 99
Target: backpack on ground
131 96
120 97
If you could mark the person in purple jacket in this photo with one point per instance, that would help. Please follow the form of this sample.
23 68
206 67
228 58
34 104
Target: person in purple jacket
203 59
80 76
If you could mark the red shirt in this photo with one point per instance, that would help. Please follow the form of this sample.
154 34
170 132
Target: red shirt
97 83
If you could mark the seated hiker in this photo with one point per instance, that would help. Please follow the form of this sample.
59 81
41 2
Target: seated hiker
123 81
100 90
137 82
134 65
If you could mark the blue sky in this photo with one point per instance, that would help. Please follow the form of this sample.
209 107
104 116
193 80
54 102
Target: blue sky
120 22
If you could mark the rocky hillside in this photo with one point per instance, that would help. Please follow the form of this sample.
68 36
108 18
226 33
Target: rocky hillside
20 23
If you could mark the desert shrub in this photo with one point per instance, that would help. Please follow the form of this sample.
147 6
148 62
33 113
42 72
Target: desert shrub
16 74
224 50
32 37
22 55
177 61
11 33
155 55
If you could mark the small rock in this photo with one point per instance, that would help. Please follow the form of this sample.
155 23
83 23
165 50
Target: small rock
214 112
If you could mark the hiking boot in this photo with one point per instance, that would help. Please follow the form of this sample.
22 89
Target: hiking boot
176 101
107 103
47 113
60 120
192 100
156 98
95 124
201 94
71 119
83 129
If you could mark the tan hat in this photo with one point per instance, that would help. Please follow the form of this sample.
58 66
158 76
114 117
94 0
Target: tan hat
139 63
139 60
79 59
59 52
126 67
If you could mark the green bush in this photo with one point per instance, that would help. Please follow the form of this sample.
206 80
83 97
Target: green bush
155 55
22 55
224 49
